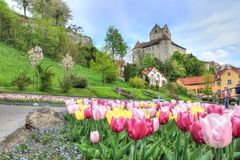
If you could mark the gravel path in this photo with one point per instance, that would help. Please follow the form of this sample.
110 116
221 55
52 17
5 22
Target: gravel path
13 117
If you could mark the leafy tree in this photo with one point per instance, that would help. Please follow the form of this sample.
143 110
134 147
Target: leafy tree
22 81
148 61
86 54
115 43
25 4
130 71
208 83
103 64
137 82
46 77
56 9
192 65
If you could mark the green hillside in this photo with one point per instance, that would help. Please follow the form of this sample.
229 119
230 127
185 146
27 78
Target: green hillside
12 62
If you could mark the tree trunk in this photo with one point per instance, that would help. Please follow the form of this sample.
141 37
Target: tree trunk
103 76
25 11
113 56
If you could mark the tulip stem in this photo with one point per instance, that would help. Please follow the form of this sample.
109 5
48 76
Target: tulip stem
135 150
218 154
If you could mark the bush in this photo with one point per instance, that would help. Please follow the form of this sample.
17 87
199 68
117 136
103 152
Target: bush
110 76
65 84
46 77
22 81
137 82
79 82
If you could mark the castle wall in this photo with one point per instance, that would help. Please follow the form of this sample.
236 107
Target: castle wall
176 48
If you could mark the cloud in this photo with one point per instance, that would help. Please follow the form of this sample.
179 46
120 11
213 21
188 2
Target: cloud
206 28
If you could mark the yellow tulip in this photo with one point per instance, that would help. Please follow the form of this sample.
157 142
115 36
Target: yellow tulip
79 115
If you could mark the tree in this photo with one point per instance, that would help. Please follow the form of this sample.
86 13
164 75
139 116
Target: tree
103 64
192 65
148 61
56 9
25 4
208 83
115 43
130 71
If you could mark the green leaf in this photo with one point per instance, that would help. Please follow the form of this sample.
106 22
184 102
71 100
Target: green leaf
122 151
236 155
195 154
169 155
207 156
152 149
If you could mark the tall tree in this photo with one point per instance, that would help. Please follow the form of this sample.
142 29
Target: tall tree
148 61
25 4
208 83
130 71
55 9
103 64
115 43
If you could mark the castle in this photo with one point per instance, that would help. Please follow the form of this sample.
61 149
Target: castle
160 45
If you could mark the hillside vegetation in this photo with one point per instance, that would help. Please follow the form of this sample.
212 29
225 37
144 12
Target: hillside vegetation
12 62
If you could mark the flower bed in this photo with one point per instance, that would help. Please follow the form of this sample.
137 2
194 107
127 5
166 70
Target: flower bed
117 129
28 98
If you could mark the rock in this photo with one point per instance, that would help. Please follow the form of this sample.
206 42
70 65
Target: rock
44 118
18 137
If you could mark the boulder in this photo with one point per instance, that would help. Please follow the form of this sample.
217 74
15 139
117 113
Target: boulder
44 118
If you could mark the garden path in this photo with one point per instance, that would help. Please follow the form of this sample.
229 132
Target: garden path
13 117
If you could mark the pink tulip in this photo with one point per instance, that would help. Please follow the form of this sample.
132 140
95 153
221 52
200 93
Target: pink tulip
184 120
216 130
163 117
196 132
150 126
152 111
155 124
94 137
235 126
118 124
236 111
215 109
137 128
200 114
99 113
88 113
70 102
138 113
72 108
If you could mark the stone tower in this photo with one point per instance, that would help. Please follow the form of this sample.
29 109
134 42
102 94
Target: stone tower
160 45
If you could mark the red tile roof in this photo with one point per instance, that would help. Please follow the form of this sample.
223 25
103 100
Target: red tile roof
192 80
146 71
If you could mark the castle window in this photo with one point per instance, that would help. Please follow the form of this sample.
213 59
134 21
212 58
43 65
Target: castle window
229 74
229 82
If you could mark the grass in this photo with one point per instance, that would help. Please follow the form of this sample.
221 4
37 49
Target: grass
13 62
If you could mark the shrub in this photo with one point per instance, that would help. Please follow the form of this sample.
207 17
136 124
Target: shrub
110 76
65 84
22 81
137 82
46 77
79 82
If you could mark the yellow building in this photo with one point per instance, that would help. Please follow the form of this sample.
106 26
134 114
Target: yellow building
227 77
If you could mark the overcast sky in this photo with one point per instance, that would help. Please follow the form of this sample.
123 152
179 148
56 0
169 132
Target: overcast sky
210 29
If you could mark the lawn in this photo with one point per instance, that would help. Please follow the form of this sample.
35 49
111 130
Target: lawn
12 62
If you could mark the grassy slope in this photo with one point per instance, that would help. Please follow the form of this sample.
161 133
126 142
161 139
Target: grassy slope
12 62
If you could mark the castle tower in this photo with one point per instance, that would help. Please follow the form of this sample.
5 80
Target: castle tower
166 32
156 32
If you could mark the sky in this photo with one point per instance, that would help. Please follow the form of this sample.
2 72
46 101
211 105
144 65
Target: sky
209 29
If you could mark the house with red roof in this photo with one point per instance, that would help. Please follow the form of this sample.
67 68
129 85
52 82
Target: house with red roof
195 84
154 77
